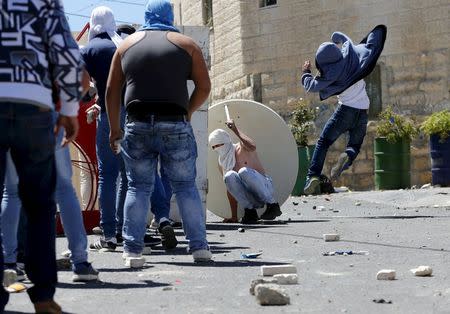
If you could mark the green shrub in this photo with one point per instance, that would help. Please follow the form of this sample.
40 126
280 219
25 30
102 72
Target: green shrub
438 123
302 122
395 127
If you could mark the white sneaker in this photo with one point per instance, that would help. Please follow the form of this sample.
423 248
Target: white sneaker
9 277
133 260
146 250
154 224
66 253
202 255
126 255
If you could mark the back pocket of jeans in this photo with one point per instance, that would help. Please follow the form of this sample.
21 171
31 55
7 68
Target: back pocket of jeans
177 146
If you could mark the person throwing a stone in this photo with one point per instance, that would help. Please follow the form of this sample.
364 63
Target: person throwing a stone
247 183
342 66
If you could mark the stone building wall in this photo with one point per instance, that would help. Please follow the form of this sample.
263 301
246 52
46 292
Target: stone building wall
257 54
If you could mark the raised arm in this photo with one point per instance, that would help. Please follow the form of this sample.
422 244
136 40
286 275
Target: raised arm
314 85
246 141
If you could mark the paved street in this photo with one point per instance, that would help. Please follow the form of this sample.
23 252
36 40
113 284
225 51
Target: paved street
400 230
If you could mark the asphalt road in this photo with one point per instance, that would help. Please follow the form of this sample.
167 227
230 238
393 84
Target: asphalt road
399 229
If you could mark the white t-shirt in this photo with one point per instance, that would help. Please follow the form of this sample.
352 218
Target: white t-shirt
355 96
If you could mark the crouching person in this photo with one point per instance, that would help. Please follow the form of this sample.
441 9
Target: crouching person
247 183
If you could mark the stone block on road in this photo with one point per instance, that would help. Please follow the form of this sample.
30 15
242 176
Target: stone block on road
271 294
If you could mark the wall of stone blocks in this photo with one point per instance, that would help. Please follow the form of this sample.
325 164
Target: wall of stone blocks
274 41
188 12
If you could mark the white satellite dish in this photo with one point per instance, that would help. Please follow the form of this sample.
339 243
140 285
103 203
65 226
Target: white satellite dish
275 145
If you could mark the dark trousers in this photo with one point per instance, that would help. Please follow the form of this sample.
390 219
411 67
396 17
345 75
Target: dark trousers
344 119
28 132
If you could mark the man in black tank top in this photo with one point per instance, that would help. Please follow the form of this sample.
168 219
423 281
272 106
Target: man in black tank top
155 64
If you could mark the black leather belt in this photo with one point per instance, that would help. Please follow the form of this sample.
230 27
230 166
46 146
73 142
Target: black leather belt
159 118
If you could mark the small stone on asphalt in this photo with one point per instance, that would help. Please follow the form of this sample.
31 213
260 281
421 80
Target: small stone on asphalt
286 279
259 281
422 271
271 294
386 274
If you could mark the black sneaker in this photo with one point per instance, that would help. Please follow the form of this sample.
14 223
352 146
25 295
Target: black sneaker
119 238
312 185
84 272
272 211
104 245
168 238
250 216
151 241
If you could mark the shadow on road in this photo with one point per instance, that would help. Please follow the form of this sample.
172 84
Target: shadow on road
112 285
223 226
122 270
302 221
235 263
358 242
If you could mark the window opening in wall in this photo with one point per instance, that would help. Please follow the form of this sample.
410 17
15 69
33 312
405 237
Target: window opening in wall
373 88
207 12
266 3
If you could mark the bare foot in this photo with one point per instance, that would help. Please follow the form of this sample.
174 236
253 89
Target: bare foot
230 220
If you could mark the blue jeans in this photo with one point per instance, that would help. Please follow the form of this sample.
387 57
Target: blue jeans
175 144
110 167
66 198
344 119
250 188
28 133
160 206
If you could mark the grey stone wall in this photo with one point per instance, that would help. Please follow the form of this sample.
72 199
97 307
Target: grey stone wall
257 54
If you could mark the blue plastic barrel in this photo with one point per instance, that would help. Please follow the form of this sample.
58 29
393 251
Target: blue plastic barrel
440 160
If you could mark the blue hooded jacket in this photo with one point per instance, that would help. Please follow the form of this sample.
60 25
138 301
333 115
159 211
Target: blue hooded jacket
341 68
159 16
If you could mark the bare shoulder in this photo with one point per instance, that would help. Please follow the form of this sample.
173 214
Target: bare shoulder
130 41
185 42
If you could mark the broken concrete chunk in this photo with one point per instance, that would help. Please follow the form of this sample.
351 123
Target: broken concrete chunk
286 279
331 237
270 270
386 274
357 204
321 208
422 271
426 186
259 281
241 230
271 294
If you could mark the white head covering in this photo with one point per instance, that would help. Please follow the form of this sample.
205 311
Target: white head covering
227 158
102 21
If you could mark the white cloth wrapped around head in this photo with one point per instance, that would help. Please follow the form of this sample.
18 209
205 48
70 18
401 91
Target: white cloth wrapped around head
227 158
102 21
